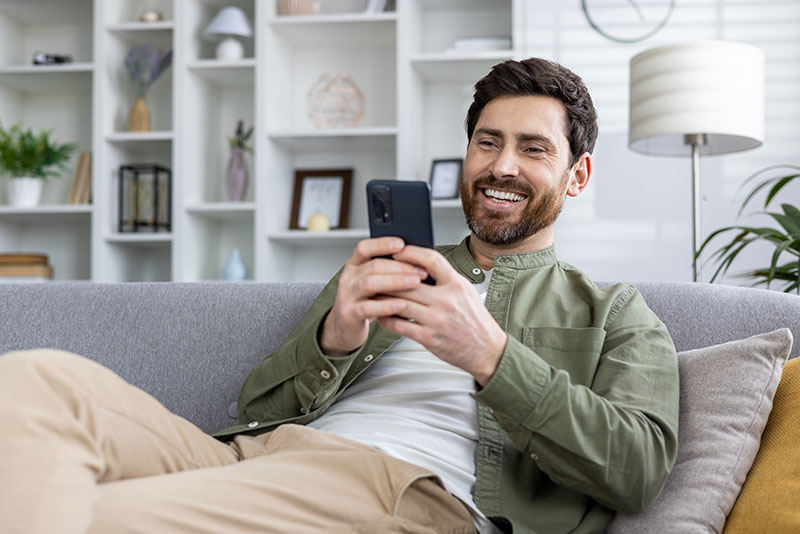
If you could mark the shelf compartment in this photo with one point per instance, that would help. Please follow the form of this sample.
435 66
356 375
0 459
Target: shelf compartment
437 24
47 78
142 142
231 73
451 68
63 234
125 13
213 230
136 261
63 26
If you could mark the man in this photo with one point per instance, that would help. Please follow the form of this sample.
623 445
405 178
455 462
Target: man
513 395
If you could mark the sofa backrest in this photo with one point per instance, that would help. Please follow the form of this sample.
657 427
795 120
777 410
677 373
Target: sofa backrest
191 345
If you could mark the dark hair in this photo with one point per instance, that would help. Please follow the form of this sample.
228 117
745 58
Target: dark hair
535 76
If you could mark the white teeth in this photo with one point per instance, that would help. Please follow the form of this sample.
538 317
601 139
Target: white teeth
502 195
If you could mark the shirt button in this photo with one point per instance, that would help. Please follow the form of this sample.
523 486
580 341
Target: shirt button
252 424
476 271
325 374
369 358
534 457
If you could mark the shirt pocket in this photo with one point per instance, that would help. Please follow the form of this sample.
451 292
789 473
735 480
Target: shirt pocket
574 350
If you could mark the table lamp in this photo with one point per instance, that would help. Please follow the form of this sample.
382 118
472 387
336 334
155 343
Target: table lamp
229 22
696 98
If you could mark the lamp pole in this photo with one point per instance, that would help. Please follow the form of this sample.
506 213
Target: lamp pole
697 141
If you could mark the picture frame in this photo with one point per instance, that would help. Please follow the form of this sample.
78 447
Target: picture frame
325 191
445 178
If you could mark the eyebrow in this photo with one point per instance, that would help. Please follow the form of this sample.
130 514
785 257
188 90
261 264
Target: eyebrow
521 137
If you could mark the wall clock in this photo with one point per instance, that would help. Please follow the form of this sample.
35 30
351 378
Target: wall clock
627 21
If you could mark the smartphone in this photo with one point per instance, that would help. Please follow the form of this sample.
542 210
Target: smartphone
401 209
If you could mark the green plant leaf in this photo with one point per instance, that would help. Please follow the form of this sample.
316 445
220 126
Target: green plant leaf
787 223
778 186
726 263
780 249
23 153
791 212
781 182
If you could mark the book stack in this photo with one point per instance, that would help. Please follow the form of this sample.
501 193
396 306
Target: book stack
81 192
24 268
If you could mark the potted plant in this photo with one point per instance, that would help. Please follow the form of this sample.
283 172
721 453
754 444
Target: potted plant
144 65
236 178
28 159
785 239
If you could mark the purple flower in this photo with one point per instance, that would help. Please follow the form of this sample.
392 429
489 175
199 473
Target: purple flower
145 65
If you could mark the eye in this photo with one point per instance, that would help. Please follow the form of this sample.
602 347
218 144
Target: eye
533 150
486 143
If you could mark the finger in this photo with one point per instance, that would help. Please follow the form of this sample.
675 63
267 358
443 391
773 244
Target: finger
371 248
403 327
432 261
376 284
423 294
414 311
382 307
388 266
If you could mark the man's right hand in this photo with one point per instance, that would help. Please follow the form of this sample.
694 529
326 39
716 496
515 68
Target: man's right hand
365 286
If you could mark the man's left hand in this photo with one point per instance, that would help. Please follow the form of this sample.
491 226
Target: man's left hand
449 318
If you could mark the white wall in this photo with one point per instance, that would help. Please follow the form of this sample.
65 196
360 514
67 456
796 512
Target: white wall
634 221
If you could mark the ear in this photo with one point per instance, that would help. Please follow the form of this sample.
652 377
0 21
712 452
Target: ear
579 175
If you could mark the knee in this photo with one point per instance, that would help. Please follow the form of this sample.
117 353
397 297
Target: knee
24 369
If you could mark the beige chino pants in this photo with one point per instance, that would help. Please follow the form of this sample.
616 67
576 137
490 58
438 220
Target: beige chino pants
81 450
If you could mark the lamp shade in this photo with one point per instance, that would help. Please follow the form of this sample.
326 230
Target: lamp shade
715 88
229 21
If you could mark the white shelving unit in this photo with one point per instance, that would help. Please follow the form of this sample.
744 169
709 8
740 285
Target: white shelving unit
416 94
58 98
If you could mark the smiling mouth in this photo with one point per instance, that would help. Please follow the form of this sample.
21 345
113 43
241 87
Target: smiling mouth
502 196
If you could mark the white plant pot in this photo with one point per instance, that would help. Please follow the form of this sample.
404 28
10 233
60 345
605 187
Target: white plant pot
25 192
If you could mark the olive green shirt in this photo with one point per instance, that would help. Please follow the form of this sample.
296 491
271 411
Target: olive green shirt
579 420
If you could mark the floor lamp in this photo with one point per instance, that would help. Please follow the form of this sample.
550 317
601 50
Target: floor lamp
696 98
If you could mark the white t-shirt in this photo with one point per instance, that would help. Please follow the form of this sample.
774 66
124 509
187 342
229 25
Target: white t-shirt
416 407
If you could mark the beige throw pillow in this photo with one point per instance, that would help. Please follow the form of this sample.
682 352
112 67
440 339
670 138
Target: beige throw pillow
726 399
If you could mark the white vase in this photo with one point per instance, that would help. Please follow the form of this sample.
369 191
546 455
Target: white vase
234 270
25 192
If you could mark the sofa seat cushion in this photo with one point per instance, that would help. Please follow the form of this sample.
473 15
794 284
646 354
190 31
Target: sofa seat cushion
726 399
775 476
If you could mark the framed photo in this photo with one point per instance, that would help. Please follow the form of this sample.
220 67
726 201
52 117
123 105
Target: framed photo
321 191
445 177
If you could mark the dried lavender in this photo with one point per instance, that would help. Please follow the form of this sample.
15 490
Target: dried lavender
145 65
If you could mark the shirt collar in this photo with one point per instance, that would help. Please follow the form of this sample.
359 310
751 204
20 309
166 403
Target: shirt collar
464 262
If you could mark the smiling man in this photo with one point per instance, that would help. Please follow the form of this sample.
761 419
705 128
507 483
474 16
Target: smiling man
540 401
512 396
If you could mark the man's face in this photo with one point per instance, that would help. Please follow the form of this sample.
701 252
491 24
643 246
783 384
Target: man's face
517 170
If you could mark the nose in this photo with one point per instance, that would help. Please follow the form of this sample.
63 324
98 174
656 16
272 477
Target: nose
505 165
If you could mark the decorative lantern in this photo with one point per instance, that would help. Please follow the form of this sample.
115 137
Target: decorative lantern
145 198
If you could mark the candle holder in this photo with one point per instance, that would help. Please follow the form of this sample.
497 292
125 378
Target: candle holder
145 198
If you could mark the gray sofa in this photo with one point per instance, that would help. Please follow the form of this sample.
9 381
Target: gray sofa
191 345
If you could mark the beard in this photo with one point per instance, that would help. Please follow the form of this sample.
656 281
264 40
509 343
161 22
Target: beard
503 228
